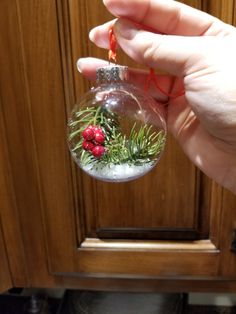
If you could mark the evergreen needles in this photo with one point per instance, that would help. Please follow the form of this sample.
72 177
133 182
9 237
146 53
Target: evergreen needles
142 145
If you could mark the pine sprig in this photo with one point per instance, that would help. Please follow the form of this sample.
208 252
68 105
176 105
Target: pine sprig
142 145
93 116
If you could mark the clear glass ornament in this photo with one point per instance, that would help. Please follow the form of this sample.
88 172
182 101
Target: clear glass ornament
116 132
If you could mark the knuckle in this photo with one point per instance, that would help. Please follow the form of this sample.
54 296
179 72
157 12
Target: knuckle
152 50
149 52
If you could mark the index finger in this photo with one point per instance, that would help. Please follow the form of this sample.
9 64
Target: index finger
168 17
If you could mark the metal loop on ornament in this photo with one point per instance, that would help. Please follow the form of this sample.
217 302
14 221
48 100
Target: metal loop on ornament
112 73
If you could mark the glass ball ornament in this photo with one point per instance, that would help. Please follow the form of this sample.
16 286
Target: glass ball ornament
116 132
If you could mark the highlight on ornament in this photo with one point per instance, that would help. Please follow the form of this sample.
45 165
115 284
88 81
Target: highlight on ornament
116 132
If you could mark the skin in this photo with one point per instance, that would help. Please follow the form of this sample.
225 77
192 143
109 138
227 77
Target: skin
200 51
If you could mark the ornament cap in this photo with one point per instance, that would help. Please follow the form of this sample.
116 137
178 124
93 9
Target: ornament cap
112 73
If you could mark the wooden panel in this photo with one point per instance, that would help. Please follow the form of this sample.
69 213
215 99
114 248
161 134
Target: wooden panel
16 88
228 226
223 9
43 75
144 264
152 201
9 214
5 277
8 210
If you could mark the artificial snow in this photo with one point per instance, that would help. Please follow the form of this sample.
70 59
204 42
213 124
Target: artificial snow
117 173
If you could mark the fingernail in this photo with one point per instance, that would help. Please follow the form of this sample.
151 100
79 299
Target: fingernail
125 29
80 64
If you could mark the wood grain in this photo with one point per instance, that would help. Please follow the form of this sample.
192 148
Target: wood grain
5 276
137 204
223 9
201 245
54 212
227 265
9 214
189 201
182 197
43 70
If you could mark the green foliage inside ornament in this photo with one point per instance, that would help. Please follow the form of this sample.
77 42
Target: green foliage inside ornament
140 145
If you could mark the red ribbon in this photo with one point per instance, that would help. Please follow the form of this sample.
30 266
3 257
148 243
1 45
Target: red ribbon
152 77
113 44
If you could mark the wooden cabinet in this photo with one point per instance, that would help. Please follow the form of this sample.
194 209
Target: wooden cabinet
170 230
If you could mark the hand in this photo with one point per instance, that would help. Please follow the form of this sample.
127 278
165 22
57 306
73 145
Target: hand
200 50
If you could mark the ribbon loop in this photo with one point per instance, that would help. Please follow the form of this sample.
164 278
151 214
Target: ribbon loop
151 77
113 44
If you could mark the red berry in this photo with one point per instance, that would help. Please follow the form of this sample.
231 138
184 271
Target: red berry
98 151
88 134
99 137
98 130
88 146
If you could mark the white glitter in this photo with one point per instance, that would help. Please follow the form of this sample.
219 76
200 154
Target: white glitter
117 173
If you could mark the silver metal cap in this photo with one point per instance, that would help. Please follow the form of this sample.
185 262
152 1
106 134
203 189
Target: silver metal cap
112 73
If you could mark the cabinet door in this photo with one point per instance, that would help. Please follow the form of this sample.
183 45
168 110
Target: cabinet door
165 224
168 224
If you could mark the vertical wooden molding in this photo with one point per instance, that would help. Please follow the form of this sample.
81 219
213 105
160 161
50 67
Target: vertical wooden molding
43 65
215 213
234 13
222 9
68 74
80 44
11 222
10 216
34 252
5 275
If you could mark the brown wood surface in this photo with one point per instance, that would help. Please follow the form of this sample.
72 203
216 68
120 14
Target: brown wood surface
5 276
152 201
9 214
64 228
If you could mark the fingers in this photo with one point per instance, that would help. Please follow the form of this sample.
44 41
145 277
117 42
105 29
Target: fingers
162 16
88 66
167 17
174 54
99 34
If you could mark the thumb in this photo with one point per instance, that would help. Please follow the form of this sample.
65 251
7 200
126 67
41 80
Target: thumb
174 54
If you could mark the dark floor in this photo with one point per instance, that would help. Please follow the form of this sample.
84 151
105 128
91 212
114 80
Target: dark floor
211 310
17 304
85 302
121 303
